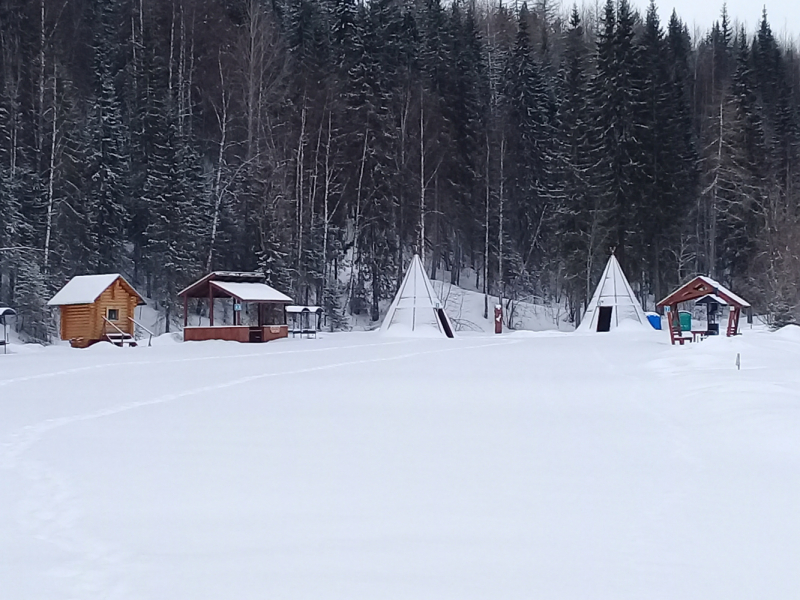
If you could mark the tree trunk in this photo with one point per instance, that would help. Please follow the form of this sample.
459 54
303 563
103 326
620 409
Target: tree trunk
486 234
422 186
51 176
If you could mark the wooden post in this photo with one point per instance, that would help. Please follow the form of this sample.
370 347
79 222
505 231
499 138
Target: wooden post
674 323
733 321
211 306
185 310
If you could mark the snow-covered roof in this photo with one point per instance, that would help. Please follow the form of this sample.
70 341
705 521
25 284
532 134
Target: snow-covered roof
299 309
200 288
85 289
721 288
711 297
251 292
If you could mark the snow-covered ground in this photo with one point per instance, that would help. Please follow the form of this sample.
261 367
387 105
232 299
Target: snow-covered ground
530 465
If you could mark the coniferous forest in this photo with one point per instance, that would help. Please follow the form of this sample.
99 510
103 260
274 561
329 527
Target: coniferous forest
325 141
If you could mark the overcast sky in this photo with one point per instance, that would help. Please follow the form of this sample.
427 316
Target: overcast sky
784 15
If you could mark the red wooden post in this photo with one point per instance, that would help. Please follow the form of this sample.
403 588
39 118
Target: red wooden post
733 321
211 306
674 322
498 318
185 310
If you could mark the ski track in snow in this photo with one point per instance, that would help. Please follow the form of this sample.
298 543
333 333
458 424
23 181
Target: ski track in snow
49 511
38 376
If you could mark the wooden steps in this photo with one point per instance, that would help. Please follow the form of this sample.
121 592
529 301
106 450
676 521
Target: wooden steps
121 339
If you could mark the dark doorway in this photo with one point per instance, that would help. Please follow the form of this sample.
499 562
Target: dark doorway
444 322
604 318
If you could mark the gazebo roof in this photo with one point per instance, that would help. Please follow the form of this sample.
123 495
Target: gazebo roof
703 286
244 286
250 292
301 309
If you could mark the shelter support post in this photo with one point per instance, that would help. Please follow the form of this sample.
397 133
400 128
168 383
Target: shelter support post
185 311
733 321
210 307
674 322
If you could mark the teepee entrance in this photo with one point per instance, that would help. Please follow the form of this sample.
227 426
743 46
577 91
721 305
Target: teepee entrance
604 318
444 322
416 309
613 302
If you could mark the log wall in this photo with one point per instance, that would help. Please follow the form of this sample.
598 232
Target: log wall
83 324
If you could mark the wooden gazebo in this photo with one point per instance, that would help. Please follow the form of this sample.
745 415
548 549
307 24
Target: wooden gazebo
697 288
241 288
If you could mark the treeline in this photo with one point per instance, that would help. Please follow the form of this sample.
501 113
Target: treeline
324 141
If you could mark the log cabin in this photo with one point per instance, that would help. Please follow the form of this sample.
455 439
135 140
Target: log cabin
97 308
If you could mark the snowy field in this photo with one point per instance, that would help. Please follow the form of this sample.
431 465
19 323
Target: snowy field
546 466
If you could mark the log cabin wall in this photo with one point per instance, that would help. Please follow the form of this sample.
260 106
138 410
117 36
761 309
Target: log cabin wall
116 296
83 324
76 321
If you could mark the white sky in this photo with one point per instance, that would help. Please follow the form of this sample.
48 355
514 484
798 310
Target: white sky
783 15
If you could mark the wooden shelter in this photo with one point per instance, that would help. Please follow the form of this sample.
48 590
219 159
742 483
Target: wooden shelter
241 289
699 288
306 320
97 308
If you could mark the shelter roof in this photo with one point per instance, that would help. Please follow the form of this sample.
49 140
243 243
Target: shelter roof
725 292
249 292
702 286
299 309
200 288
711 298
85 289
6 312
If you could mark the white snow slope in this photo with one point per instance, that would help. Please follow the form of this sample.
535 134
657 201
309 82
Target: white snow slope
547 466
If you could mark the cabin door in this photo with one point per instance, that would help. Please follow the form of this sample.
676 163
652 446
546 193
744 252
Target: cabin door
604 318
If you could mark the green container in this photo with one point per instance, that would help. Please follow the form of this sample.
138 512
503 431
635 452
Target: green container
686 320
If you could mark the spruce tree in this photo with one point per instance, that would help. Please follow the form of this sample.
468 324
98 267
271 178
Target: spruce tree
177 201
581 219
530 135
105 152
616 93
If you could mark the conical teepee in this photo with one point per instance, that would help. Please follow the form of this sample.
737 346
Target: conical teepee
613 302
416 309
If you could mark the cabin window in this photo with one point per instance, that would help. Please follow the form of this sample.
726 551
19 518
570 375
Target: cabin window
113 314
